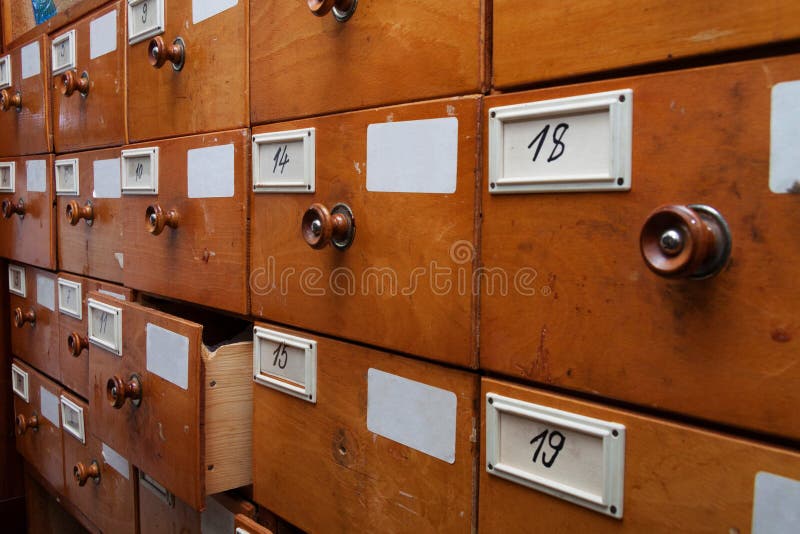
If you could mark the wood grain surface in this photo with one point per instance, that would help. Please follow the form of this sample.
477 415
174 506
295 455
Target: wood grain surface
37 344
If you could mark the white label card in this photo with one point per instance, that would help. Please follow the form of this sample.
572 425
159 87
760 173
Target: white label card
36 173
285 162
103 35
31 60
67 173
580 143
210 172
49 406
5 72
140 171
19 382
776 504
784 157
105 326
570 456
116 461
145 19
72 419
16 280
413 156
417 415
46 292
7 176
285 362
205 9
168 355
106 179
63 52
70 298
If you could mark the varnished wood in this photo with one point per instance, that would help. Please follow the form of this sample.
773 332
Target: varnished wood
157 517
37 343
95 119
209 93
250 526
600 321
399 235
19 24
388 52
678 478
360 481
209 242
554 40
45 511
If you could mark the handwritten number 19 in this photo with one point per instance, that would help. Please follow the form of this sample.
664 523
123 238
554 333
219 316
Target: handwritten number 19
556 442
558 143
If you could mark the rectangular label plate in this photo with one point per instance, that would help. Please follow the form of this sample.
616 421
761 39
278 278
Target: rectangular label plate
140 171
569 456
5 71
784 158
286 363
145 19
8 171
70 298
63 48
67 182
16 280
105 326
19 383
285 162
72 419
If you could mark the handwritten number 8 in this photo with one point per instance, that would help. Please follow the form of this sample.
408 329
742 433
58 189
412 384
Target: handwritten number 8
556 441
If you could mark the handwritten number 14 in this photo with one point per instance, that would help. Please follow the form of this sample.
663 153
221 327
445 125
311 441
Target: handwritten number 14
281 159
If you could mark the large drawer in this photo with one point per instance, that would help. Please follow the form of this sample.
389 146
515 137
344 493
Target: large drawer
88 76
386 53
34 319
378 442
363 226
185 218
594 315
178 409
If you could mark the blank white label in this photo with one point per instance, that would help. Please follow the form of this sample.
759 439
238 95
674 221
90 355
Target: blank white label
106 179
49 405
784 156
413 156
776 504
210 172
168 355
46 292
36 171
116 461
103 35
31 60
417 415
205 9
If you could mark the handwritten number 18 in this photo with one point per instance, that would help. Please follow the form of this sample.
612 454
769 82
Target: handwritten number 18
556 442
558 143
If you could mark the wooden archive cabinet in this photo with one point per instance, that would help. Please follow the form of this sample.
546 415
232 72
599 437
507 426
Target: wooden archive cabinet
34 318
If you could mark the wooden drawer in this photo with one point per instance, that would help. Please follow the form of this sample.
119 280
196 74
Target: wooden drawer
90 249
34 319
28 228
203 179
385 54
190 428
246 525
600 321
38 422
88 76
408 175
25 125
209 92
98 481
677 478
551 41
72 345
387 442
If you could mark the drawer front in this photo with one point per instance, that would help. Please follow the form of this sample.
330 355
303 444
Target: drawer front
38 424
634 35
385 439
34 320
245 525
95 197
73 338
402 283
200 211
28 227
88 77
600 321
98 480
677 478
384 54
209 92
160 355
25 123
160 511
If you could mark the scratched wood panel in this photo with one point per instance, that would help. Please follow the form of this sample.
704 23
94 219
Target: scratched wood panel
551 40
723 349
387 53
36 343
678 478
97 119
359 481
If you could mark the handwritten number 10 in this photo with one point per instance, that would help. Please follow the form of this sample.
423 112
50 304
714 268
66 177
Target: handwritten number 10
558 143
556 442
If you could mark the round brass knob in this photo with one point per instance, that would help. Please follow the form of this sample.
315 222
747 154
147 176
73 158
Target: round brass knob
156 219
159 52
71 82
75 212
320 226
691 241
9 208
10 100
22 317
117 391
77 343
24 423
342 9
83 473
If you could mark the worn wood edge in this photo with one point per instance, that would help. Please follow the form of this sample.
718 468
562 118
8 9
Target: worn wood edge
71 14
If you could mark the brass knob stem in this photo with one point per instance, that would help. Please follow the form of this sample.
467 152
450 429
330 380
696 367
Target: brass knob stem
342 9
77 343
83 473
71 82
156 219
118 390
321 227
75 212
22 317
10 100
9 208
159 52
24 423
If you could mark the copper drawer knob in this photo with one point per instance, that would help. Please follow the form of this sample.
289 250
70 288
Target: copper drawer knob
159 52
75 212
156 219
82 473
70 82
117 391
10 100
77 343
337 227
10 208
342 9
24 423
691 241
22 317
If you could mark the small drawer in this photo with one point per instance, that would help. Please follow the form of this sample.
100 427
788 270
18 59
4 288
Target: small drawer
34 317
246 525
